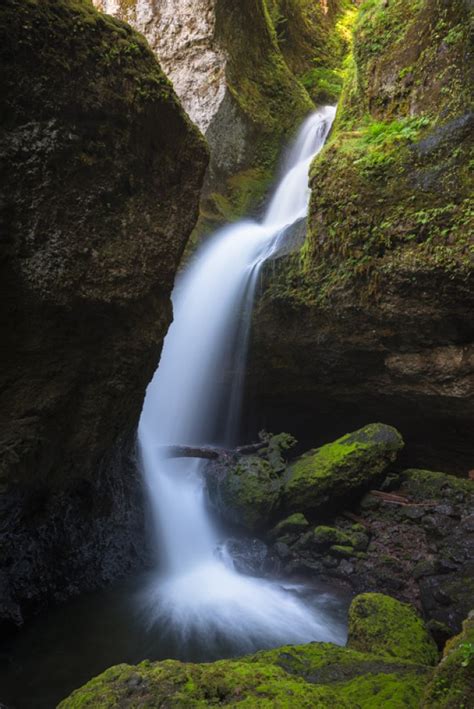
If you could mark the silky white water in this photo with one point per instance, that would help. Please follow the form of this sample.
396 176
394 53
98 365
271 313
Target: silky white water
197 595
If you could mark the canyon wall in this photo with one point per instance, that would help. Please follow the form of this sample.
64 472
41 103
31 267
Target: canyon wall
101 176
374 318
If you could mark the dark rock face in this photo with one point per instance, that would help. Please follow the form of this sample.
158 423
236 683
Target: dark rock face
374 319
101 173
249 556
58 543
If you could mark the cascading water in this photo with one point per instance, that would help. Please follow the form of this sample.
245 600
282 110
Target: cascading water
197 596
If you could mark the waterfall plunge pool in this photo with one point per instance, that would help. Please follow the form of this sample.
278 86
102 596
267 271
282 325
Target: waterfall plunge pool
64 648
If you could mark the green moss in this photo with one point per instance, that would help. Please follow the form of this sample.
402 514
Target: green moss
328 536
294 524
387 691
383 625
425 484
340 468
452 686
324 85
392 188
247 493
222 683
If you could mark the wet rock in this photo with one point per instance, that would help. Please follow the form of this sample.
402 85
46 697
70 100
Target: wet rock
446 510
250 556
246 493
282 550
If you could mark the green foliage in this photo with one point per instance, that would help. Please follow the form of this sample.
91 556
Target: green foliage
452 685
323 85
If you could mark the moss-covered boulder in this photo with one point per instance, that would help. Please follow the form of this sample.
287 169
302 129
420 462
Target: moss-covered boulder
246 493
452 685
295 524
324 537
101 174
381 624
224 683
245 489
338 469
317 676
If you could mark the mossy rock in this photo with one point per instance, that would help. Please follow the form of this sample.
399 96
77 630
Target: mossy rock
452 685
175 684
294 524
422 485
392 187
381 624
325 537
247 493
338 469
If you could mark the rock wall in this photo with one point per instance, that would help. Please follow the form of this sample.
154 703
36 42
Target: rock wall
182 35
101 178
374 318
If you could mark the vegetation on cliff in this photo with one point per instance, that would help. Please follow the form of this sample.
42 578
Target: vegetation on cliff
393 190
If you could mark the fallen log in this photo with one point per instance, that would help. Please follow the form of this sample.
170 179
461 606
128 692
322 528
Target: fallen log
189 452
208 453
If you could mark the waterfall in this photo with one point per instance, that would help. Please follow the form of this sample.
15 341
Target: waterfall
197 595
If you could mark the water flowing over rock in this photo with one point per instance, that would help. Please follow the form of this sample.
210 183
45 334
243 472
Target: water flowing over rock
195 594
101 174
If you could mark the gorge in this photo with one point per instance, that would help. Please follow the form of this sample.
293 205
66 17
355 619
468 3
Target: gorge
314 308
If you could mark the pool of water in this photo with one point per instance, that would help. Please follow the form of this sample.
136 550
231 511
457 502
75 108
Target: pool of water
63 649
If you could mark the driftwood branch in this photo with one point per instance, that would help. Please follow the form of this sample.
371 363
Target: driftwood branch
208 453
189 452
